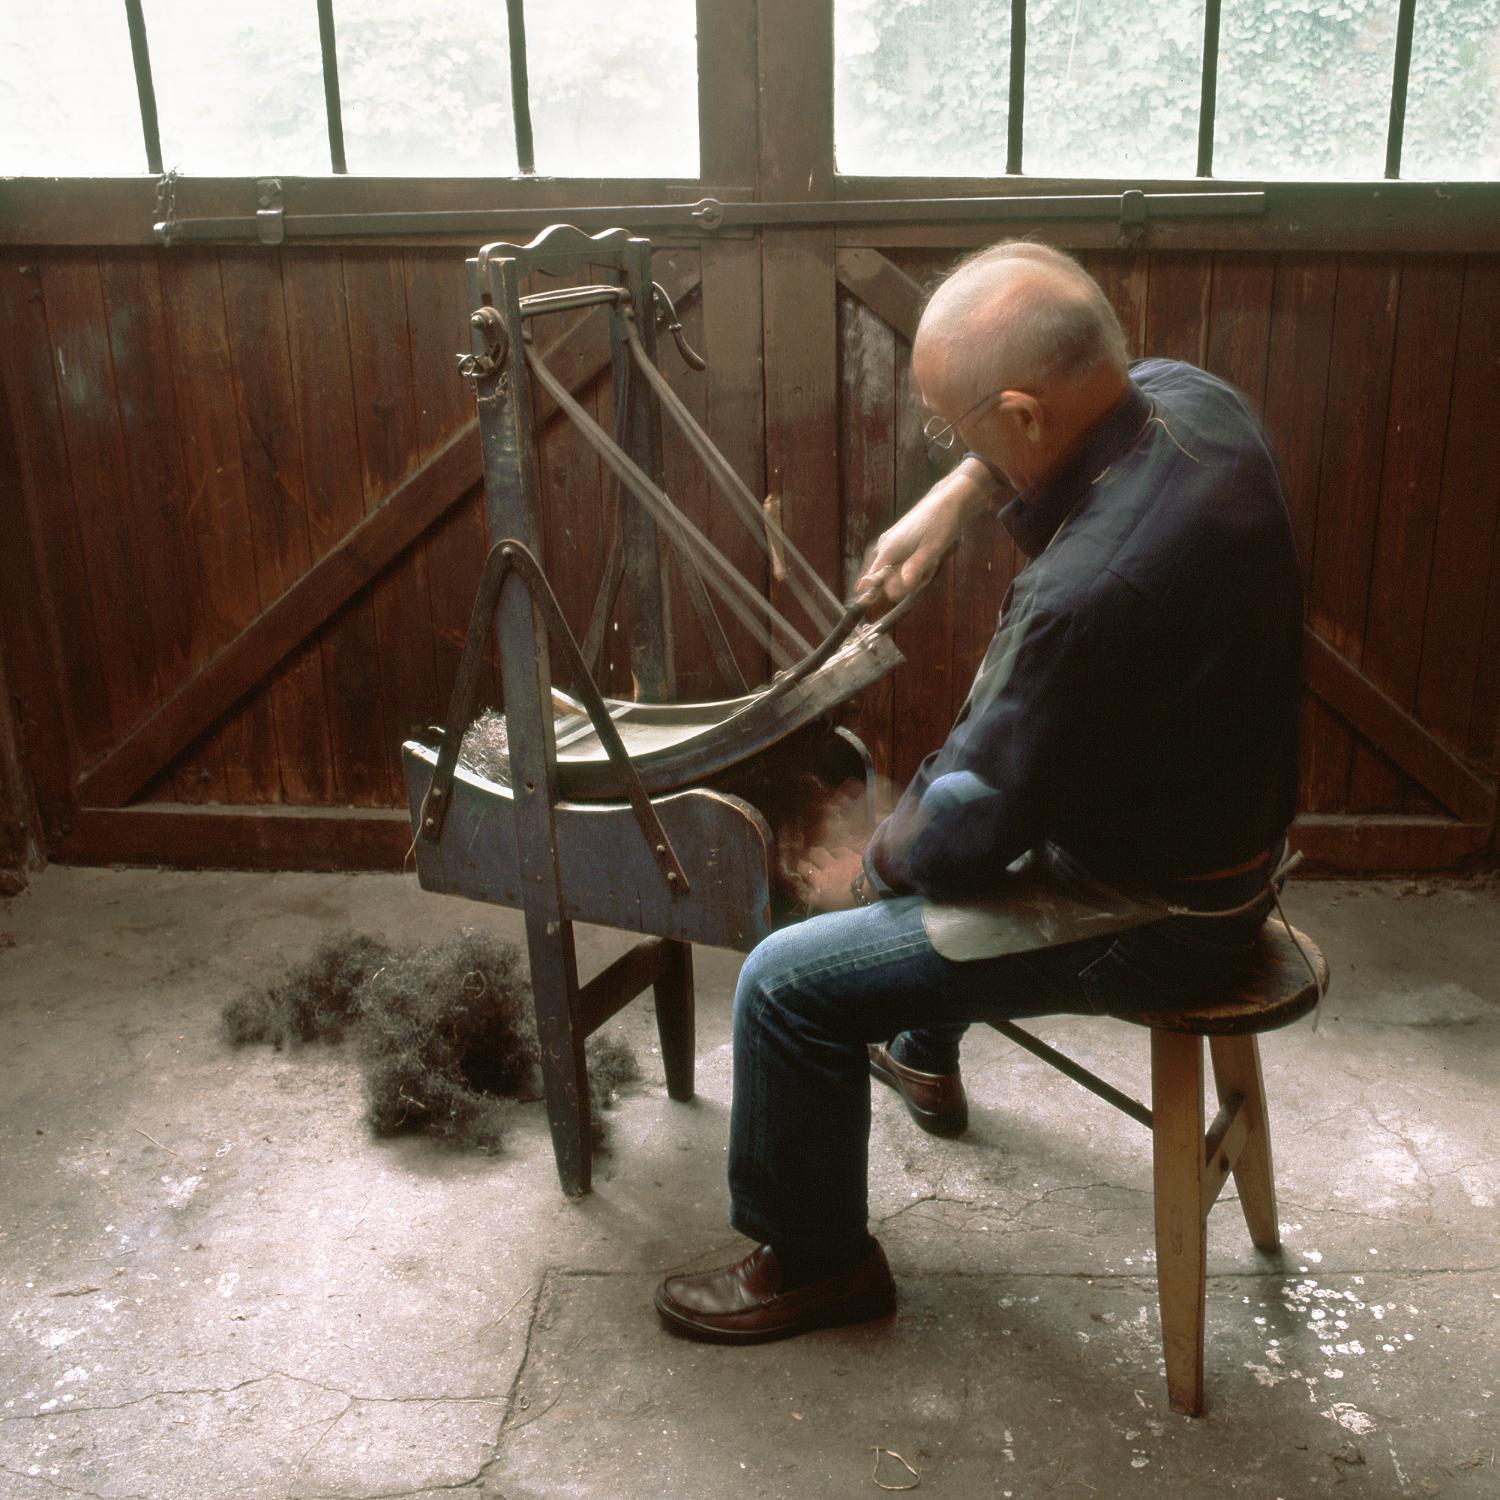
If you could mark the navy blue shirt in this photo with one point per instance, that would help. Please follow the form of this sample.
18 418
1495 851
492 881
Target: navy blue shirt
1138 703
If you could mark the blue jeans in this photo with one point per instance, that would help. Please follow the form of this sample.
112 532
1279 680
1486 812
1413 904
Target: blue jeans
811 996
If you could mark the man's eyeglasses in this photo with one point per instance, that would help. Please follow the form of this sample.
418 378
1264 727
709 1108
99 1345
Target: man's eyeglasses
941 434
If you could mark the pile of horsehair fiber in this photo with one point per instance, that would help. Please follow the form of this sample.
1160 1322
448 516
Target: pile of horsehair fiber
444 1032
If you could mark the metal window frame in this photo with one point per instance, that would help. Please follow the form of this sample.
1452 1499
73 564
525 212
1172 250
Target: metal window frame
742 85
520 87
145 85
1015 124
1208 97
332 101
1400 74
521 94
1208 88
140 52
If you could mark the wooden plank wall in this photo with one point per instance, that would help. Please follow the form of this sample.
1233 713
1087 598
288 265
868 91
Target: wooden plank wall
17 811
193 429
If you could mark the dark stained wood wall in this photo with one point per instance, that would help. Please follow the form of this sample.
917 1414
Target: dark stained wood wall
196 428
243 523
239 487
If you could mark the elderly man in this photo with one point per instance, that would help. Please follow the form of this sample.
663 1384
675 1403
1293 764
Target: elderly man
1133 723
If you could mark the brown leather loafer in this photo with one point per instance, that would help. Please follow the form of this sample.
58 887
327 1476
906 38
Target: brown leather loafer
936 1101
744 1303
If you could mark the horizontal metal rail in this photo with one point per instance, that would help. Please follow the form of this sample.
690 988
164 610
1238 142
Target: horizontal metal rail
567 298
1130 207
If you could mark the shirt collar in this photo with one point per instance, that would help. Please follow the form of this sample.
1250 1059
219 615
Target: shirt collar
1034 516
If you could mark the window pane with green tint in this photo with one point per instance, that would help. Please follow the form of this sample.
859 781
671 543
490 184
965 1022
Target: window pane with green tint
614 88
921 87
68 110
1304 88
426 87
1453 97
1112 88
239 88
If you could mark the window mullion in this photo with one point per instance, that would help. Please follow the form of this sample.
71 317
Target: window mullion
332 101
1399 77
1208 100
144 86
520 87
1015 121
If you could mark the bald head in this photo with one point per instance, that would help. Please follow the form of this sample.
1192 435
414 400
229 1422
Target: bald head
1019 314
1019 353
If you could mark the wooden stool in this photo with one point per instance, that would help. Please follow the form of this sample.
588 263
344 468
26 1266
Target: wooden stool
1190 1164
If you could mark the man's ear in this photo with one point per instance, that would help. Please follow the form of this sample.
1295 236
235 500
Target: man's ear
1027 411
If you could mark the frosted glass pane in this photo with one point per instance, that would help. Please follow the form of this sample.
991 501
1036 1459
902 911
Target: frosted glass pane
921 87
239 88
1112 88
1304 88
1453 95
68 110
426 87
614 88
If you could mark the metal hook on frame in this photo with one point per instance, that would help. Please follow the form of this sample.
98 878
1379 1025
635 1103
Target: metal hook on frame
488 322
668 309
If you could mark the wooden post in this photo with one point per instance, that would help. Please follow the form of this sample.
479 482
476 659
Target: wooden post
1181 1213
727 90
17 808
505 425
38 691
795 67
649 606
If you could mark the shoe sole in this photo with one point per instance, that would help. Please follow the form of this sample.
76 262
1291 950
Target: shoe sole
946 1126
861 1309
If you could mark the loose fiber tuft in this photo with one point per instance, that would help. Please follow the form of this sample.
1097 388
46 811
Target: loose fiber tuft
445 1032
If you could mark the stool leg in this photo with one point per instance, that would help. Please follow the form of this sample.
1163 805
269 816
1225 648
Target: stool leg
1181 1231
1236 1062
674 1018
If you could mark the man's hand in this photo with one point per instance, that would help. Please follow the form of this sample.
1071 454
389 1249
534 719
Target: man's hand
824 878
908 554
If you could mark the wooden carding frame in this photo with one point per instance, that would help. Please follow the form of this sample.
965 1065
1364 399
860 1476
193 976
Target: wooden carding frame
651 850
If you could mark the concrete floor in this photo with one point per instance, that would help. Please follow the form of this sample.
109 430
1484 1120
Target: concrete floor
217 1284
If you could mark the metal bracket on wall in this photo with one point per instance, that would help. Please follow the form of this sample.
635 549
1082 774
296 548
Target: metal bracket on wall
1133 208
1132 219
166 207
270 219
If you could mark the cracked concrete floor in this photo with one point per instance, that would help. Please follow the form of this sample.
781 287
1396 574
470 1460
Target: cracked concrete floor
218 1285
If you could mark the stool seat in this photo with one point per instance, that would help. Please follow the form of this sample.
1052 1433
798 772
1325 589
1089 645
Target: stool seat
1274 990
